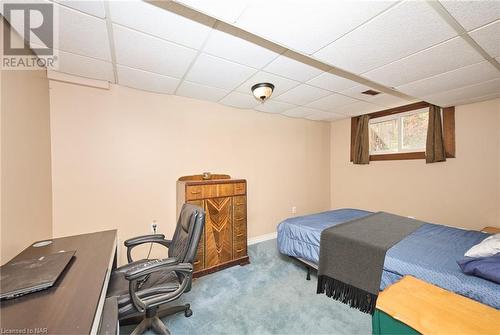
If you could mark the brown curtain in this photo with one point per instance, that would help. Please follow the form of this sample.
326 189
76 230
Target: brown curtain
361 154
434 151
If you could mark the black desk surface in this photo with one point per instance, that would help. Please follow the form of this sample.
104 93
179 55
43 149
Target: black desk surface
70 305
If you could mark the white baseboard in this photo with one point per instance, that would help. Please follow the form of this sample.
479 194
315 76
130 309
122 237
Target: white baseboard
262 238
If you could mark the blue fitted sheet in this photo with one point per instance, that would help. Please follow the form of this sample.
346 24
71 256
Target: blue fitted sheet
429 253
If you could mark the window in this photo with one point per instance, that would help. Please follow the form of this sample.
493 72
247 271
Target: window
403 132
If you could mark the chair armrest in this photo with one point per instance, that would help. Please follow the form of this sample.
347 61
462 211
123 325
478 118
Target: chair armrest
146 268
153 238
144 239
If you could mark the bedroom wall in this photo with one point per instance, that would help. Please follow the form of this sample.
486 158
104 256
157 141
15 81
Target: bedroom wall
26 199
118 153
462 192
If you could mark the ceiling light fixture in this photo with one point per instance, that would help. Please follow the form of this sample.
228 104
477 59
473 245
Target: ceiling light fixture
262 91
370 92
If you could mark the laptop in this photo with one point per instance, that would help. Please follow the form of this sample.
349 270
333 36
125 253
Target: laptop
21 277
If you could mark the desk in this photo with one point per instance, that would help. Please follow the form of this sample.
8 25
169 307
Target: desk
74 304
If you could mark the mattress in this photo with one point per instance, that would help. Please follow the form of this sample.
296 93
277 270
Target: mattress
429 253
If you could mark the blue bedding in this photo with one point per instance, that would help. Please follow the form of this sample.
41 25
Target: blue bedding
429 253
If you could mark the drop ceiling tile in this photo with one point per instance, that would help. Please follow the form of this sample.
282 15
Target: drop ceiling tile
358 108
241 47
302 94
217 72
441 58
465 76
173 22
281 84
389 101
292 66
488 37
95 7
466 93
307 27
324 116
381 99
331 82
331 102
273 106
197 91
82 34
476 99
400 31
473 14
299 112
148 53
84 66
225 10
239 100
356 92
146 81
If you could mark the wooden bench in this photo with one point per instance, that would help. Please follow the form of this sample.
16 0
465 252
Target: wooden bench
414 306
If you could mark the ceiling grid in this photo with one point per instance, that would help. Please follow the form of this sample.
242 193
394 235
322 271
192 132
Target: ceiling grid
320 58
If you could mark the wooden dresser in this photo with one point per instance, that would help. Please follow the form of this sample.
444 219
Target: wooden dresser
224 239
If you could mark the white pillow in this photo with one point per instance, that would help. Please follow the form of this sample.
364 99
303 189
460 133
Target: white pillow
487 247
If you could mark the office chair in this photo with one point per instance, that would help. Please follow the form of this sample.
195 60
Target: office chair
143 286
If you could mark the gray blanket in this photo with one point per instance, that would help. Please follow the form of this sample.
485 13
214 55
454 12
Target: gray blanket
352 254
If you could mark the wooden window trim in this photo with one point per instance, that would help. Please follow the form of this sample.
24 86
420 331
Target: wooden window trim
448 132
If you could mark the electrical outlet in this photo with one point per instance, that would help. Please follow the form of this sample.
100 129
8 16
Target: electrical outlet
154 227
294 209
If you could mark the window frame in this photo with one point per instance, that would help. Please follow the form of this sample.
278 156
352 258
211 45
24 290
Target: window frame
448 119
399 117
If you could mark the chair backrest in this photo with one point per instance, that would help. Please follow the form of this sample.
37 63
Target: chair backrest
187 233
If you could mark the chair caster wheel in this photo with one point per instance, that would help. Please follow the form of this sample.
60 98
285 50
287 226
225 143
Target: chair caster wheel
188 313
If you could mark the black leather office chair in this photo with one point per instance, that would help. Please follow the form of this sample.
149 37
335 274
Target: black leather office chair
142 287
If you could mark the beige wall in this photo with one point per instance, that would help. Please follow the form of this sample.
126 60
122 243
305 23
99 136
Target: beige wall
26 199
118 153
464 191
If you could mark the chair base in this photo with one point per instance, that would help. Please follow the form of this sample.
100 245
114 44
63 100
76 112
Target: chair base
154 323
152 319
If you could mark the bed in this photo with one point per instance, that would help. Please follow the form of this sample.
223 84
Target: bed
429 253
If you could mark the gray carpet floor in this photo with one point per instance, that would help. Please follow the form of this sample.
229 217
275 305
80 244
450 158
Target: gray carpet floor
268 296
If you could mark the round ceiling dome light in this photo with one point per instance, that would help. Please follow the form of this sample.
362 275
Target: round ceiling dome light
262 91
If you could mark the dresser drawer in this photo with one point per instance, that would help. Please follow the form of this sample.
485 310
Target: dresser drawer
240 232
198 263
240 188
240 249
225 190
194 192
240 223
209 191
240 207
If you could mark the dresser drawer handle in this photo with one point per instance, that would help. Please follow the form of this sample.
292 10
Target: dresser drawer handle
196 263
239 250
195 192
239 235
240 203
240 219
